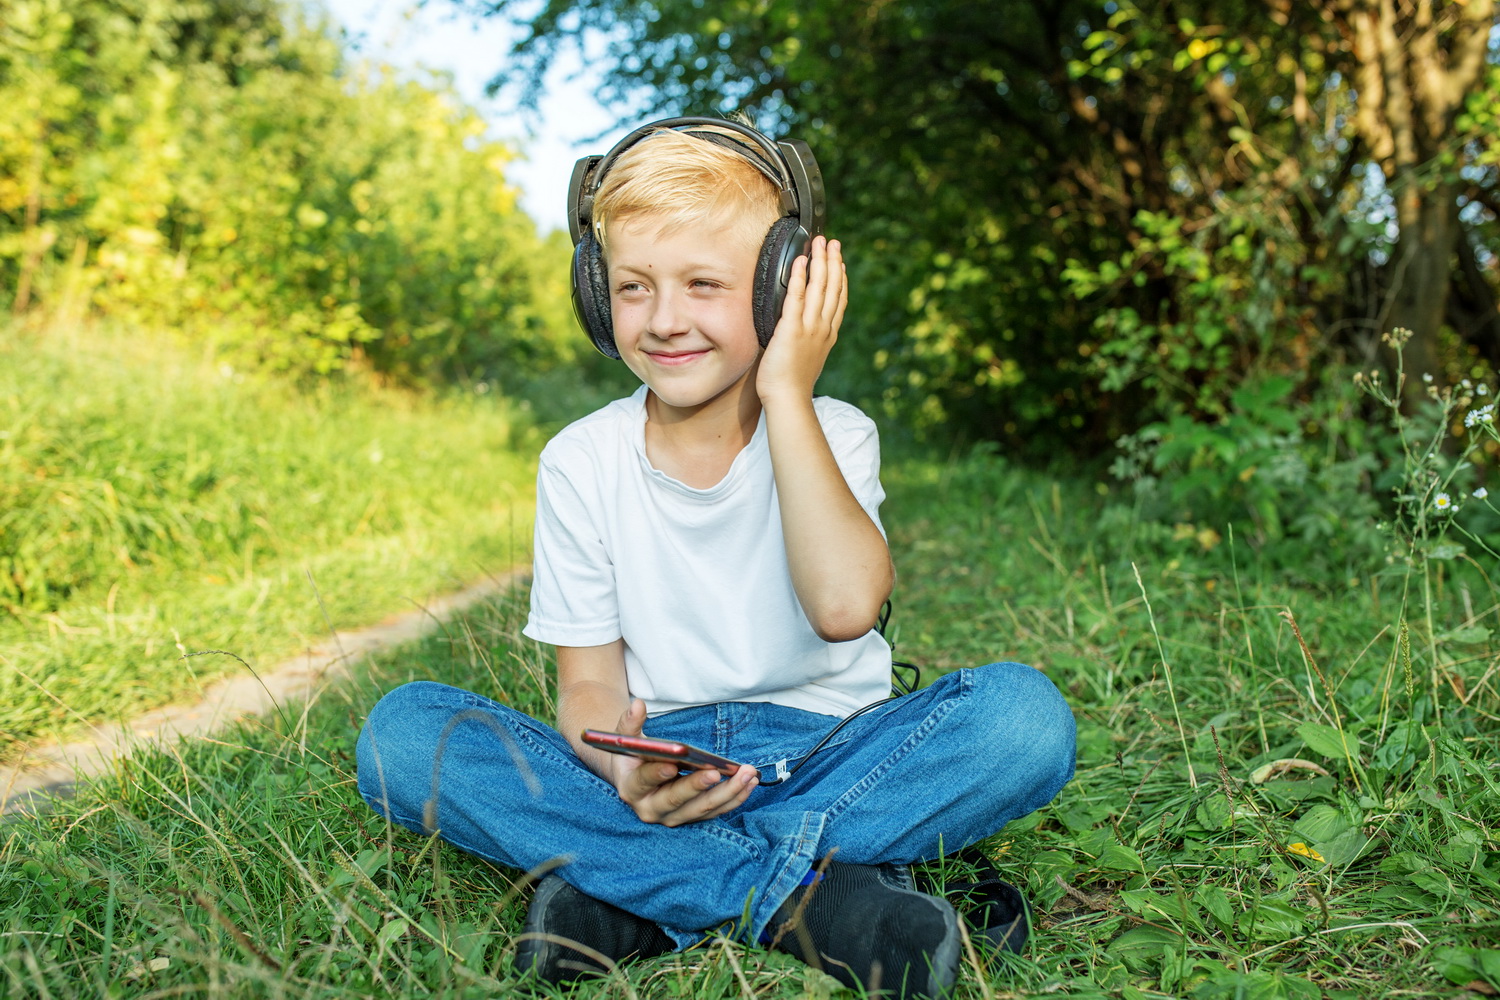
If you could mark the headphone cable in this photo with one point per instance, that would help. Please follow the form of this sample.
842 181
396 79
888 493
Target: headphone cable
909 686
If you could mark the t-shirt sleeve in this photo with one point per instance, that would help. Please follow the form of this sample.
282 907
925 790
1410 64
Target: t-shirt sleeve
856 448
573 598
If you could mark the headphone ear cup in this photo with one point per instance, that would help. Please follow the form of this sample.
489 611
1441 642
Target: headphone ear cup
591 295
785 242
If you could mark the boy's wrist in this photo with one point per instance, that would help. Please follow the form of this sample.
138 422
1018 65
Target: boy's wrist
786 399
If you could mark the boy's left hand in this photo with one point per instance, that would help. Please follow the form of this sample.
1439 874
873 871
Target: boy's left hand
816 295
659 795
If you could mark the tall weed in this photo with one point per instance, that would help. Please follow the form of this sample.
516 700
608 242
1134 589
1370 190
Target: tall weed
1307 861
151 501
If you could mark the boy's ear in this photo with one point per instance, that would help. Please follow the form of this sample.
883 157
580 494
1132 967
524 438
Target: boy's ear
591 295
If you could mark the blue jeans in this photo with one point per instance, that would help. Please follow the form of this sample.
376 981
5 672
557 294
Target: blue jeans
926 774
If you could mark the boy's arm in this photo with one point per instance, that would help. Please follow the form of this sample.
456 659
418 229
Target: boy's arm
592 694
840 564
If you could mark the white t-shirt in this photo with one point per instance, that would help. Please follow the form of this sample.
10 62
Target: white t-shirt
695 581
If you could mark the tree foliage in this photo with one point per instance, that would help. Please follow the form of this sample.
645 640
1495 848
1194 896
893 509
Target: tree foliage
223 168
1074 215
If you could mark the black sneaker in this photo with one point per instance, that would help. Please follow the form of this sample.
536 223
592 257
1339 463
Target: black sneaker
995 910
868 928
561 913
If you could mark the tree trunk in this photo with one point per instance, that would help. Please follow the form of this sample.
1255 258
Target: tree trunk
1419 277
31 236
1413 64
1473 310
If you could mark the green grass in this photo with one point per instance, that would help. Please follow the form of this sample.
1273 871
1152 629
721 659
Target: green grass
1181 861
152 503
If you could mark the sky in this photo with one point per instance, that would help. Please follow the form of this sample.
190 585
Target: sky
436 36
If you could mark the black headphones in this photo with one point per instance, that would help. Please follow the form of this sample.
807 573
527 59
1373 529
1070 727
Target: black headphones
788 164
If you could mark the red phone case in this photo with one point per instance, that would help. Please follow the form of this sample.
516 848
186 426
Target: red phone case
668 751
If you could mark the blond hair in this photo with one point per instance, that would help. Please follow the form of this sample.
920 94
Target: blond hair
677 180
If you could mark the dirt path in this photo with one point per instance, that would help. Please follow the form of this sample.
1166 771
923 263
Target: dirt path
51 771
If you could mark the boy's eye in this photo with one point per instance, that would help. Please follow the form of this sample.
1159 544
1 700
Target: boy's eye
705 283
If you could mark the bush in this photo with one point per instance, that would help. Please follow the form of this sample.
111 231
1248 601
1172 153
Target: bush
226 171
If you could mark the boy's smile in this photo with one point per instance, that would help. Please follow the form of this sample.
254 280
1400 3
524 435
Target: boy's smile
681 306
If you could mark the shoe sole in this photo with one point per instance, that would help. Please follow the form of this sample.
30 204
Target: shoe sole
536 957
944 968
931 980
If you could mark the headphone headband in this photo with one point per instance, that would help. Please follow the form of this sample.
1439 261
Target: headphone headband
788 164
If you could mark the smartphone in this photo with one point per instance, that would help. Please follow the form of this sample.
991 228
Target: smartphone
667 751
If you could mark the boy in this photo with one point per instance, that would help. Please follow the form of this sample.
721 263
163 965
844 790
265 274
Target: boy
710 565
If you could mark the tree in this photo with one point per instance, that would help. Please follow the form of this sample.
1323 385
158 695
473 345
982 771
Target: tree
1075 215
1415 66
223 169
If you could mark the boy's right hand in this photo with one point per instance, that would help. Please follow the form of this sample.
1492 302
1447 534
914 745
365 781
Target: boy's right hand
658 795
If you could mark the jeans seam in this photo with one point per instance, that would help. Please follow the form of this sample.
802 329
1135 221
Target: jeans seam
735 839
532 732
799 861
545 748
929 724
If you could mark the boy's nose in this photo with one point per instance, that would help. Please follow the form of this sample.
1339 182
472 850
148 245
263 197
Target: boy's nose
668 318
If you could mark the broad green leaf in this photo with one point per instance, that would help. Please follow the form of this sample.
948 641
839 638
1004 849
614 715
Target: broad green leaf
391 932
1464 965
1118 857
1471 634
1346 848
1141 948
1214 812
1434 881
1334 836
1213 899
1321 823
1273 920
1256 984
1325 740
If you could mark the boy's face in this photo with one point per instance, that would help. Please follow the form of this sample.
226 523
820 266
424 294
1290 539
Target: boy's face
681 304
